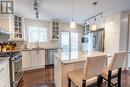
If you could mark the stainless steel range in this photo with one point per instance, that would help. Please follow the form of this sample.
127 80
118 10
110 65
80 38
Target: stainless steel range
15 64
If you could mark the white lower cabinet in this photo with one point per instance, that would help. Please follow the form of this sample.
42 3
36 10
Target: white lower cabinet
33 59
4 74
26 59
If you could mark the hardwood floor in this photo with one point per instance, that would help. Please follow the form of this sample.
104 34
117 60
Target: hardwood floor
45 78
38 78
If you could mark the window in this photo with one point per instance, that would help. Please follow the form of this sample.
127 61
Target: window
37 34
69 41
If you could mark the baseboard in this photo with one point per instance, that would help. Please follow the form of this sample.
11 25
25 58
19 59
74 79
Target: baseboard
33 69
49 66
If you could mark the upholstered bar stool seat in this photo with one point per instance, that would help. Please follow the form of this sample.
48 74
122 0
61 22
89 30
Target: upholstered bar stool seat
77 76
90 75
113 70
105 72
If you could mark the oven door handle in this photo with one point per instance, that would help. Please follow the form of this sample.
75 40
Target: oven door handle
17 81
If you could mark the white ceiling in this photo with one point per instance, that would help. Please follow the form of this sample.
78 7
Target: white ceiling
61 9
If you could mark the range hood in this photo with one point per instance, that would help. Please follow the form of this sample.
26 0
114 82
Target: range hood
3 32
4 35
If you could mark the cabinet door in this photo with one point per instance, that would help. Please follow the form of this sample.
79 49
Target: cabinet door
26 59
42 58
4 73
35 58
55 29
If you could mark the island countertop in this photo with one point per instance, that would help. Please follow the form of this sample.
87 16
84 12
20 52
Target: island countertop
65 62
78 56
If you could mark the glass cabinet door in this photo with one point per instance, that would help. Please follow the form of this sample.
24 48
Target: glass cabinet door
18 27
55 25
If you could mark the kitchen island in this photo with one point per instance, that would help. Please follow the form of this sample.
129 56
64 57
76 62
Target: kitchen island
69 61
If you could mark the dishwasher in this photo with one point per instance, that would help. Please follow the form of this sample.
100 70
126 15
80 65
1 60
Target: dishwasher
49 56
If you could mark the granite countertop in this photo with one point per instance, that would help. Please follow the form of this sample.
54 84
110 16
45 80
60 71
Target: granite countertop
33 49
2 59
71 57
43 48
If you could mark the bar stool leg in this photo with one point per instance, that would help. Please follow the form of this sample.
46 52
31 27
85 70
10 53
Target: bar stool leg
83 83
69 82
119 77
109 78
101 81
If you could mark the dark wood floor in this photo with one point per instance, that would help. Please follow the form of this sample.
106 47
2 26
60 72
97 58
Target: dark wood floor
45 78
38 78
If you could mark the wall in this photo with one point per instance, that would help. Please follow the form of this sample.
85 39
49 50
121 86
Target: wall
49 43
116 28
112 32
124 31
116 33
30 22
128 63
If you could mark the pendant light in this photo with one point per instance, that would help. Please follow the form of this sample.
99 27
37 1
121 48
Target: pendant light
72 23
94 26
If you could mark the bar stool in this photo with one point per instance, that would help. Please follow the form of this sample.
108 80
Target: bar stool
90 75
114 69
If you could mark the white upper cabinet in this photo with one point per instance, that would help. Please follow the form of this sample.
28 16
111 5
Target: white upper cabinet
14 25
55 29
18 27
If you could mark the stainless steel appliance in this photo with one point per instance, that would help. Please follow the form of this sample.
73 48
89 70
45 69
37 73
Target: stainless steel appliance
15 64
94 41
98 39
49 56
85 42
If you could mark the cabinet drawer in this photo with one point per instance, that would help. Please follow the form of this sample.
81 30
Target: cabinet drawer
4 73
3 65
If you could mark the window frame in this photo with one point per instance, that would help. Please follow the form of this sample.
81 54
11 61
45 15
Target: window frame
38 31
70 39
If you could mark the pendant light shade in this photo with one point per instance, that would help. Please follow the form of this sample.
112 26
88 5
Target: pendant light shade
72 23
94 27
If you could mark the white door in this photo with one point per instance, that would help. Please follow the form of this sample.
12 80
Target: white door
65 41
74 41
69 41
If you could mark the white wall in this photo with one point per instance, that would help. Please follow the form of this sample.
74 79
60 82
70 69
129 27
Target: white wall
112 32
31 22
49 43
116 33
128 63
124 31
